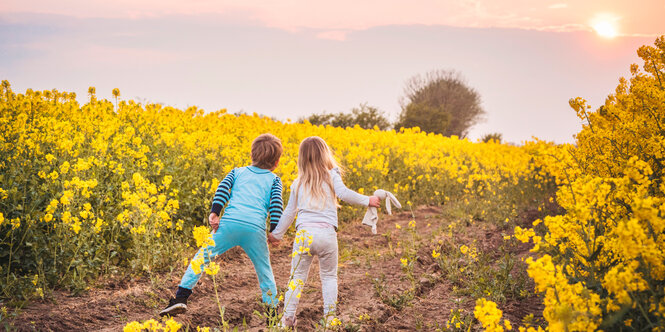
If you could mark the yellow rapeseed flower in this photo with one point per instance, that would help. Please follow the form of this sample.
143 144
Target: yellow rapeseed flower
203 236
404 261
196 263
16 223
133 327
212 269
171 325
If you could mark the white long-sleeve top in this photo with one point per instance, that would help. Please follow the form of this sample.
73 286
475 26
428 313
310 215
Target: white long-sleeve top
309 213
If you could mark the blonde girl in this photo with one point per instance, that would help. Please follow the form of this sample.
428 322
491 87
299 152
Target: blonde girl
313 200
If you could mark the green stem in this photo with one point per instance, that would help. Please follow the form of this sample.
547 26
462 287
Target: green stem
219 305
291 279
644 313
78 247
9 263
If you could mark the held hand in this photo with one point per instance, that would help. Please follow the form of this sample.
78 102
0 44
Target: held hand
374 201
273 240
213 219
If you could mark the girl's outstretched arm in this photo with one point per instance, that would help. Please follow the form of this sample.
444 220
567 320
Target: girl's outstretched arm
345 193
287 217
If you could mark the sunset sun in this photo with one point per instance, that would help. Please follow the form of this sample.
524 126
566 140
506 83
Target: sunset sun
605 28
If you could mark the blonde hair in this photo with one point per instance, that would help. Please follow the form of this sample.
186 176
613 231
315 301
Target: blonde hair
266 151
315 160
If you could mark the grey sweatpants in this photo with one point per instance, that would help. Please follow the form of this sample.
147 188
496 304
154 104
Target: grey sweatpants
324 245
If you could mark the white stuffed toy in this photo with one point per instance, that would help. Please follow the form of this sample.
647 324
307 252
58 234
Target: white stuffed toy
372 216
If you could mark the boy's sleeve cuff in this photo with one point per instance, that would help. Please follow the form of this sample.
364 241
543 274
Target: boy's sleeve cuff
216 208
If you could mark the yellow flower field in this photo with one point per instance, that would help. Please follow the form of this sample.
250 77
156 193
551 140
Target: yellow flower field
92 189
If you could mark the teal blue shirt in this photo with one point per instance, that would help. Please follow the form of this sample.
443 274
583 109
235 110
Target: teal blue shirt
252 194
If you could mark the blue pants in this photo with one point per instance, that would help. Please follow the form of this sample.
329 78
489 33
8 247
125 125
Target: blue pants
254 242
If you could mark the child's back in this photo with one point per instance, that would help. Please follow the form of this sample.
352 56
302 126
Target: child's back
250 194
324 213
313 200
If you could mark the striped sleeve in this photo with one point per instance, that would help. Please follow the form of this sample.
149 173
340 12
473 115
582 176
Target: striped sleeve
223 193
276 203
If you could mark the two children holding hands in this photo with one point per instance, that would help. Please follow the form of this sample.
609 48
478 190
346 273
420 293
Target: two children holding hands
251 194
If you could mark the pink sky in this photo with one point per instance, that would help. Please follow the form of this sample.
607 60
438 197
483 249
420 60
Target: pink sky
291 58
336 18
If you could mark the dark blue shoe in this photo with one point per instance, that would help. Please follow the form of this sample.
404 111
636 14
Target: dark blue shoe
177 305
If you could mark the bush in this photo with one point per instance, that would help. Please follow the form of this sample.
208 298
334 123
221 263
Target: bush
603 263
440 102
364 116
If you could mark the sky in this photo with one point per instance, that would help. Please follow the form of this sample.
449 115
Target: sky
291 58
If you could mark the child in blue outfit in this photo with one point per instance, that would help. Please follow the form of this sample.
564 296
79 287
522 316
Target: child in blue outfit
253 194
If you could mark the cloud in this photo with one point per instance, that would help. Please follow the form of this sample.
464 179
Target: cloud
558 6
338 35
342 16
572 27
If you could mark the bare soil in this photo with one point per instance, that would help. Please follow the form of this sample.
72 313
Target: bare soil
111 304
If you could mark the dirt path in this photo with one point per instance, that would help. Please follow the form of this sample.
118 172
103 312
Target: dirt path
363 259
